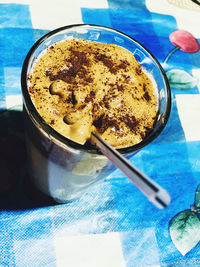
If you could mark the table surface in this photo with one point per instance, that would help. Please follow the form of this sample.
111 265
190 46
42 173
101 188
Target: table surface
113 224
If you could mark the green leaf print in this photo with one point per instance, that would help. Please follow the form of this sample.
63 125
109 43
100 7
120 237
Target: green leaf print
185 231
180 79
197 198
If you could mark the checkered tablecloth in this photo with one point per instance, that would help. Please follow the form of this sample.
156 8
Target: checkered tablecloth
113 224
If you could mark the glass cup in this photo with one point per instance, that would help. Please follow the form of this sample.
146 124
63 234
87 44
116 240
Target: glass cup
59 167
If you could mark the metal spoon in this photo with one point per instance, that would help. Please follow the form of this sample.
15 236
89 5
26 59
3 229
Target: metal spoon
155 193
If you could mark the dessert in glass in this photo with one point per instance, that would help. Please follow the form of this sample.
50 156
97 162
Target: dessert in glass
81 79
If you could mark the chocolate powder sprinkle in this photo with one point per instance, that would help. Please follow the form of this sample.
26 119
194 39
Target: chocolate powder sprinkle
95 108
107 62
144 87
147 96
107 105
49 74
120 87
31 90
123 64
106 101
68 100
130 121
95 74
126 77
82 107
138 70
104 122
90 97
77 60
89 79
52 122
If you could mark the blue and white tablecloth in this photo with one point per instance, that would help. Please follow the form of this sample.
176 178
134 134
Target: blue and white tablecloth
113 224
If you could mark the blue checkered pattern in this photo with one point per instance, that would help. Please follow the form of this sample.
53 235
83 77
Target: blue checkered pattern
28 230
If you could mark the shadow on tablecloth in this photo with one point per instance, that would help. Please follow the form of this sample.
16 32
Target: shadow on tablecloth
16 189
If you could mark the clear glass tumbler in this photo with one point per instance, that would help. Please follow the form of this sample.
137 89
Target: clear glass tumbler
59 167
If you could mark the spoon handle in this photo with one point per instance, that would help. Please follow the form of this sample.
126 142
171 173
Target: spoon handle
154 192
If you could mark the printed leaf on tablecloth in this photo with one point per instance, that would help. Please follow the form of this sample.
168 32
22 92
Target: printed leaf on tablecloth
180 79
197 197
185 231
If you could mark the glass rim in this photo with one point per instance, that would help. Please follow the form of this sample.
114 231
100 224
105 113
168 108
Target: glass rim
88 147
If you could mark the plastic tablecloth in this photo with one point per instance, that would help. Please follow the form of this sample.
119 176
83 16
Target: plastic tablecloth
112 224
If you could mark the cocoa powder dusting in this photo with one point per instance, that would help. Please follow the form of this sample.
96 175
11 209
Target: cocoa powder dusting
100 84
138 70
130 121
147 96
104 122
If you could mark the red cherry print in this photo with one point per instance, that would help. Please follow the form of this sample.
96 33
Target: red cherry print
185 41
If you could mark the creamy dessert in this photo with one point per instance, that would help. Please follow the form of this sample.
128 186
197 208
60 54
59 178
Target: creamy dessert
80 86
